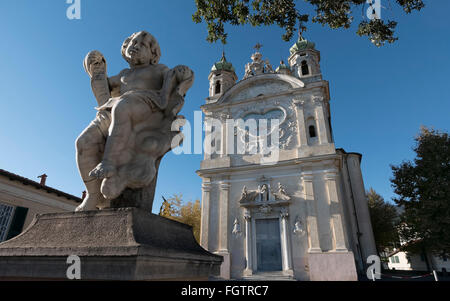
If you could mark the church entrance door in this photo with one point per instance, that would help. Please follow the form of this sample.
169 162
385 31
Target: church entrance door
268 245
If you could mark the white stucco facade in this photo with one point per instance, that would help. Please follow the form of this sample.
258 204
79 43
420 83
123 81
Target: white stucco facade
29 197
319 227
404 261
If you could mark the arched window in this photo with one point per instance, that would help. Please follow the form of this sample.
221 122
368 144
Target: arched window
312 131
305 68
218 87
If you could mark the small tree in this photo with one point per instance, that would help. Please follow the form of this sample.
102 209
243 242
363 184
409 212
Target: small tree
423 189
288 13
188 213
169 208
384 220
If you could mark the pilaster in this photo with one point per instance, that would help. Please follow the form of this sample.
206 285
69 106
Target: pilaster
206 198
313 231
336 213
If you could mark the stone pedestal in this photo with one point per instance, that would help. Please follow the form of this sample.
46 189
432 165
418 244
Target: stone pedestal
113 244
332 266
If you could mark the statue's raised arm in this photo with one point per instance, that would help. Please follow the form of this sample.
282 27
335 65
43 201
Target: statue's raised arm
95 66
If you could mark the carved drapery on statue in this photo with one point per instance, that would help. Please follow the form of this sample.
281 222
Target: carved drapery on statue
119 154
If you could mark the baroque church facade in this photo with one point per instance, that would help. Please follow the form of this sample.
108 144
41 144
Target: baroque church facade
303 217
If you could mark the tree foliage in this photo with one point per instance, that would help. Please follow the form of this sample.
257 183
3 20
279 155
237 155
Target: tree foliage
289 15
384 219
423 189
187 213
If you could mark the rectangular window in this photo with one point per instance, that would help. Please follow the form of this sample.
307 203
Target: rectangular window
396 259
6 214
16 227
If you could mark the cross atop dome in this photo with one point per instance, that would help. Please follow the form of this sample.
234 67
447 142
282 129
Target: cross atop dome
258 47
301 30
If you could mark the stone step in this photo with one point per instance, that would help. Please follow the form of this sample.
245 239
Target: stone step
275 276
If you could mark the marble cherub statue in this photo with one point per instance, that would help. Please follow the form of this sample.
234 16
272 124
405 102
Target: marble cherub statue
131 132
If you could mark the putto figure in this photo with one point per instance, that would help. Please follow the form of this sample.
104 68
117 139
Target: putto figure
124 144
281 194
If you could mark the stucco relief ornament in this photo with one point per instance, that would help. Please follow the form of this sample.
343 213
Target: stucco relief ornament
236 228
247 215
317 100
287 134
298 227
118 154
299 102
258 65
281 194
284 213
244 192
265 209
248 196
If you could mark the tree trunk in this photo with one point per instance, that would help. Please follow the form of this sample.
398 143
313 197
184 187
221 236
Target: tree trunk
427 262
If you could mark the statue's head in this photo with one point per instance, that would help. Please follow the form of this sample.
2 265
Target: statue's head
141 48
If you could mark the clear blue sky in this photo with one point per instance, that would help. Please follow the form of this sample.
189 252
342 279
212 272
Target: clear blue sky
379 96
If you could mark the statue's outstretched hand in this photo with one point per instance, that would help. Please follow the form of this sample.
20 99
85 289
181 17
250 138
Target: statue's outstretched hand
185 79
95 63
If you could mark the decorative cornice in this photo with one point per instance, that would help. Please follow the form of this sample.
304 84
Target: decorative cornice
292 162
331 175
272 203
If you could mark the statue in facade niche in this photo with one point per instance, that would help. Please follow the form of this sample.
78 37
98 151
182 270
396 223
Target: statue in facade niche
122 148
236 228
264 193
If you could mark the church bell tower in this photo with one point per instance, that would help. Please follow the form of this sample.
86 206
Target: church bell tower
221 78
305 60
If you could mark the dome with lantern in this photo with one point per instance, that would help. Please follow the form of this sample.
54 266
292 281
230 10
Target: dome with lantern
223 64
302 44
